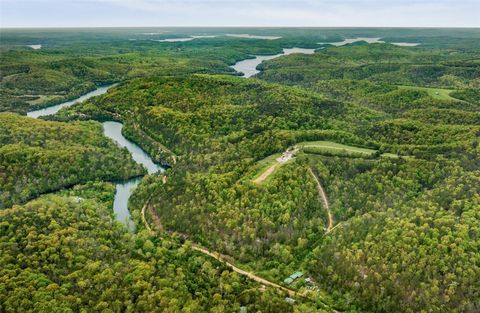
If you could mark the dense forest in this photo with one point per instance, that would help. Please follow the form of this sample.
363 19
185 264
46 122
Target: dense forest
357 166
221 128
420 215
65 252
38 156
72 63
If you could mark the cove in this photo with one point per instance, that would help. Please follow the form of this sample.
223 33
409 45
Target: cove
113 130
124 190
249 66
55 108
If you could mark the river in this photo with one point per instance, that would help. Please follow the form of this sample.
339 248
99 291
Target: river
249 66
113 130
55 108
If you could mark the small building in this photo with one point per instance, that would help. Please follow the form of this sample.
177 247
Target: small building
296 275
293 277
243 309
288 281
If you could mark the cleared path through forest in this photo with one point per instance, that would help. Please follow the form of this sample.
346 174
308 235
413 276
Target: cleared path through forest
221 258
265 174
284 158
250 275
215 255
324 200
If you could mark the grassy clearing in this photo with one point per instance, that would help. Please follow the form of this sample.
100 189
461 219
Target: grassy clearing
435 93
264 169
335 148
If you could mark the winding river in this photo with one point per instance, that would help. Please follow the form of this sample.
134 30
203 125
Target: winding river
55 108
113 130
249 66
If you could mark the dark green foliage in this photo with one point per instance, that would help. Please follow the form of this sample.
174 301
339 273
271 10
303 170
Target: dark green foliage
65 253
38 156
412 241
405 235
380 63
210 198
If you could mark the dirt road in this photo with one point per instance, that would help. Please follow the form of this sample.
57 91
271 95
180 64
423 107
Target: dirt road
221 258
324 201
284 158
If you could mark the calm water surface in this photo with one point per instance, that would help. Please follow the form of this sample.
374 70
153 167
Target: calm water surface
253 36
55 108
183 39
249 66
113 130
369 40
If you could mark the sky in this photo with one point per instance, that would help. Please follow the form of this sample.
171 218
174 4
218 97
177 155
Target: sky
137 13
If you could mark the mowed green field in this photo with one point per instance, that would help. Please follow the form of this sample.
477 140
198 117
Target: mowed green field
330 147
435 93
335 148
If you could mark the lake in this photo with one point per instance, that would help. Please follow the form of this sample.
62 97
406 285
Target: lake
55 108
183 39
368 40
249 66
253 36
124 190
113 130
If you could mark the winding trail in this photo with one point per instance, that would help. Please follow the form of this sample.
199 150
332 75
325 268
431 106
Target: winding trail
324 201
143 216
219 257
223 259
216 255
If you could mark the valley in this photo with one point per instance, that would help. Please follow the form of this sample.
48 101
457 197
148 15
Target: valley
199 170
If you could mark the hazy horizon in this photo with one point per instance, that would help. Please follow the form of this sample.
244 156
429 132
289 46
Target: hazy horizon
240 13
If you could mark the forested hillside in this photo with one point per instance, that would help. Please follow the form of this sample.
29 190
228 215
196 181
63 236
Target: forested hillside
409 234
72 63
379 63
410 223
38 156
355 170
221 127
66 253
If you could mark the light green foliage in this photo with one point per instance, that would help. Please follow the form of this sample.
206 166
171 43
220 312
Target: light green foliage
435 93
37 156
405 207
273 227
68 254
